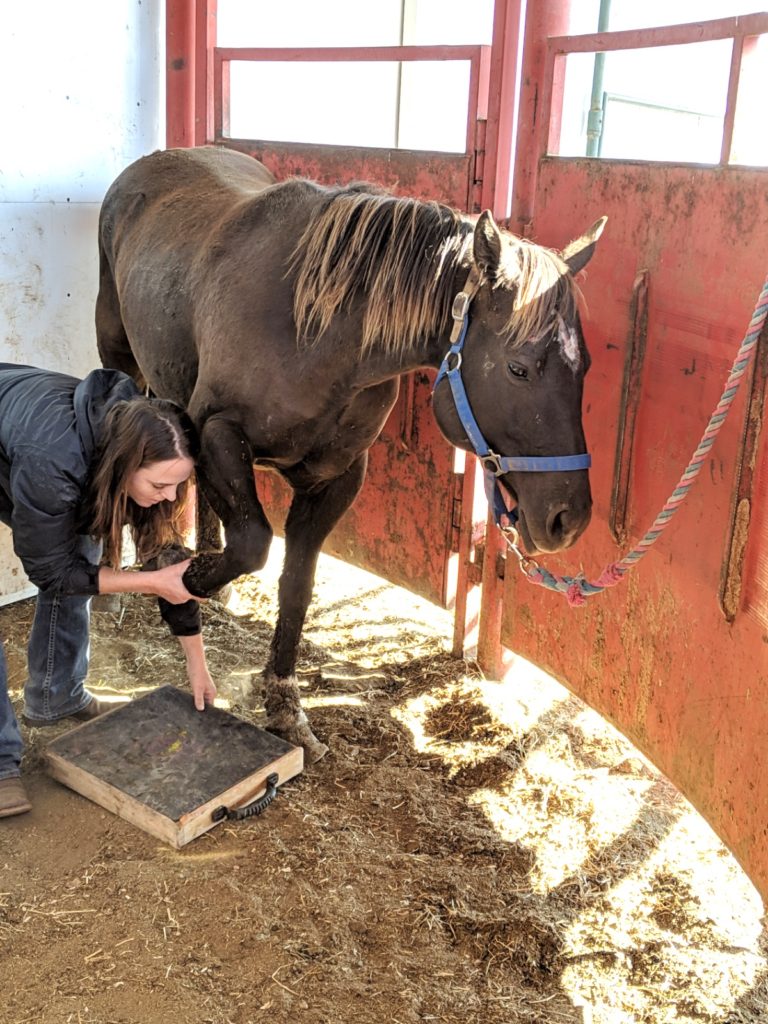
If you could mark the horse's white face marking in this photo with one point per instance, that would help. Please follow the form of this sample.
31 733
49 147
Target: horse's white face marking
568 340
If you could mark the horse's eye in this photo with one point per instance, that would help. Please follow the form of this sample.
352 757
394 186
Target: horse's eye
518 370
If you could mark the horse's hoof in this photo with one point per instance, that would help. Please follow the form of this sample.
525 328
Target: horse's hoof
286 718
314 750
299 734
200 577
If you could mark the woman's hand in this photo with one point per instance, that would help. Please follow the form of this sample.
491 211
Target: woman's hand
203 687
167 583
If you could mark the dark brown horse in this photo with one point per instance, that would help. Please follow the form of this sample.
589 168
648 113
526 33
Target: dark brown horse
281 315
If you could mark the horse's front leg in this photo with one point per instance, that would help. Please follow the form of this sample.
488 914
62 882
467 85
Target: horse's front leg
225 474
310 519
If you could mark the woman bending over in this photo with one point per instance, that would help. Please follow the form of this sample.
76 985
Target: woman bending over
79 460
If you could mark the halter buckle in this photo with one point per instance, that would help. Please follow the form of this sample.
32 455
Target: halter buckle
492 461
460 306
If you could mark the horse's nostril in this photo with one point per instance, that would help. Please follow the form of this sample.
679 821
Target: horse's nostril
557 525
565 524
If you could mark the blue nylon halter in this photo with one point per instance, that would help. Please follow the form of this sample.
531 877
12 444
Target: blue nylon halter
494 465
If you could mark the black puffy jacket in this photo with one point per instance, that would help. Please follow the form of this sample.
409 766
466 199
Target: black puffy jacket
49 428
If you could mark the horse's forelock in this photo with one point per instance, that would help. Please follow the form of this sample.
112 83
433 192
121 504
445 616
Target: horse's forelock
400 253
540 287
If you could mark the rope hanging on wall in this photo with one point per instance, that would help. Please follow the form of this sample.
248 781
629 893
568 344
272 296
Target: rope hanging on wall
576 588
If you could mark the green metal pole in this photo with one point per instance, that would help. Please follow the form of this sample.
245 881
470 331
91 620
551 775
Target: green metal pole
595 117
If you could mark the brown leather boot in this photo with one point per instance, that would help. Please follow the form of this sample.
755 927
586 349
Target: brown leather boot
13 798
91 710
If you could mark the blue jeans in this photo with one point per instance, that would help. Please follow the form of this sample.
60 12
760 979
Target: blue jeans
57 662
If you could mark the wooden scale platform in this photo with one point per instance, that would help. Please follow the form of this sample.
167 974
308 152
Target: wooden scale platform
170 769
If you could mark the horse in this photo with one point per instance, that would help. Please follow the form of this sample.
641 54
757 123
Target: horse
281 315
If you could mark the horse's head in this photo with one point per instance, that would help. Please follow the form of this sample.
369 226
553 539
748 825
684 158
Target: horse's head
522 364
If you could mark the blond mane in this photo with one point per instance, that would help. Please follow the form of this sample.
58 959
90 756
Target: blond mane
403 255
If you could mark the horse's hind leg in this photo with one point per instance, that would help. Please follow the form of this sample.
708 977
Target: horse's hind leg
112 341
310 519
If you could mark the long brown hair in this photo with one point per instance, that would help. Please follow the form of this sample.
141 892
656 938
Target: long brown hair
137 433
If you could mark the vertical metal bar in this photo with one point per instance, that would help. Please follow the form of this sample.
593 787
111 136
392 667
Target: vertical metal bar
544 18
218 112
490 656
205 42
226 96
630 402
473 102
503 103
595 117
737 51
465 547
477 169
554 106
732 572
180 73
401 42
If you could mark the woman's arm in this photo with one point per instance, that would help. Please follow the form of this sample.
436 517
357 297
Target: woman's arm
164 582
203 687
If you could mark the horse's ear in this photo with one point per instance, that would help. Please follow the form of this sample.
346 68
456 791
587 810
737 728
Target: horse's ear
578 253
486 246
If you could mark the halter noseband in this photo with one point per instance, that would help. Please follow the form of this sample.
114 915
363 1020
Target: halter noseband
494 465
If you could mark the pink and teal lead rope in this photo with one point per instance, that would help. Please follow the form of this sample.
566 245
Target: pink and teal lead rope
576 588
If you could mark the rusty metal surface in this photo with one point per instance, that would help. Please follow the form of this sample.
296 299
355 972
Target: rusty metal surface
655 654
421 175
631 391
732 576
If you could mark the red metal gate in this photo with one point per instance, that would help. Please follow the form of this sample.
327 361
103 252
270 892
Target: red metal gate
677 655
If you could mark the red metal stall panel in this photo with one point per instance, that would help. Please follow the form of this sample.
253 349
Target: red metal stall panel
444 177
684 248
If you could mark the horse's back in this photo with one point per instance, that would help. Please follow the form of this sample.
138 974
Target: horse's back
195 173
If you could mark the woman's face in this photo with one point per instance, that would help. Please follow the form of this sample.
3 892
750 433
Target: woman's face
159 481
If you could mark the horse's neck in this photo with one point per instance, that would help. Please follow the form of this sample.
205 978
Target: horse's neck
418 353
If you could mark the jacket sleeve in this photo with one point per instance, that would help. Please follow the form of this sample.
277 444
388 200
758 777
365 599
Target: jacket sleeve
44 521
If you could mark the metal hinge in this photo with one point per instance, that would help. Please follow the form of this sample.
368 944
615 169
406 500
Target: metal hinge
478 165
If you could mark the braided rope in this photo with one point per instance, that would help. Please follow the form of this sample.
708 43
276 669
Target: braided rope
577 588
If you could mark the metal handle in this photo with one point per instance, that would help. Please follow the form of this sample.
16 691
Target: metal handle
252 809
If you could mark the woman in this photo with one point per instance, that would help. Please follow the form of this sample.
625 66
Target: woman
79 460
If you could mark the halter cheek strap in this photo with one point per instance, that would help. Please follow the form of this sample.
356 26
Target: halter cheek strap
494 465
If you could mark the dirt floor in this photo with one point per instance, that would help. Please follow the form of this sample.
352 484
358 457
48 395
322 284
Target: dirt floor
470 852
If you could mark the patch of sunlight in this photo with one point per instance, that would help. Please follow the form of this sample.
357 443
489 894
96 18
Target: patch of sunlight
714 871
472 720
331 674
523 697
680 920
332 701
182 856
560 814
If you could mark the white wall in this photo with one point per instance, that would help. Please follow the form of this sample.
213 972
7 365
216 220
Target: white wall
83 95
